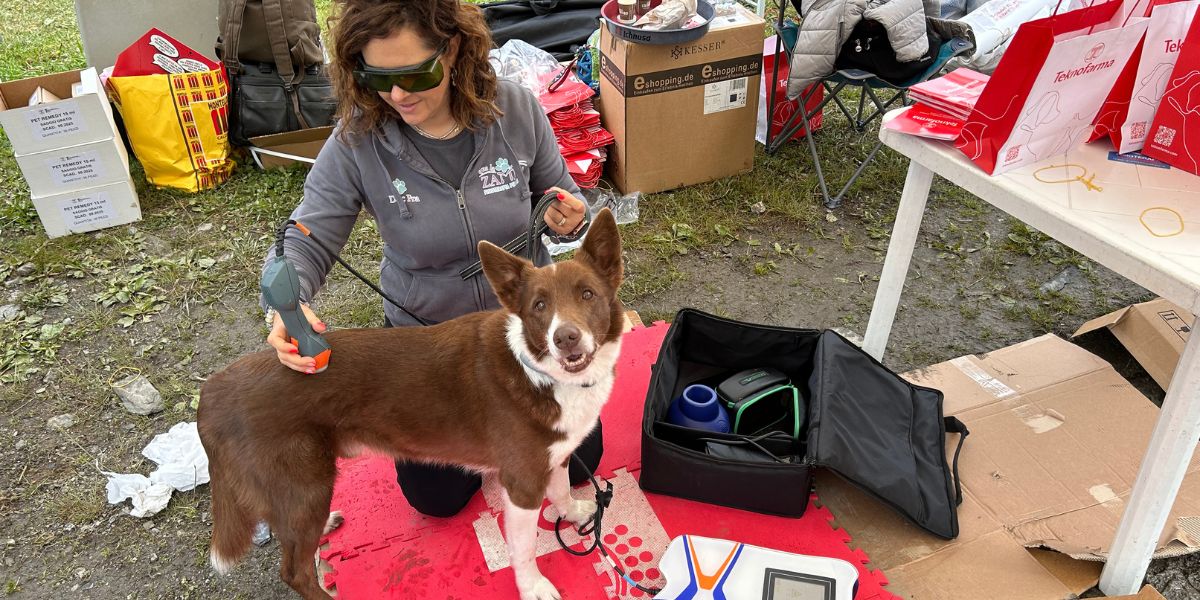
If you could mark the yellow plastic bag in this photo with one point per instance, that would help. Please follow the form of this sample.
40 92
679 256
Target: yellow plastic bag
175 104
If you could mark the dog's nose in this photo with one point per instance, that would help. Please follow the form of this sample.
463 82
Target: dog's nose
566 337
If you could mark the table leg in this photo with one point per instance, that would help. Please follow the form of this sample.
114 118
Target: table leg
1158 480
899 254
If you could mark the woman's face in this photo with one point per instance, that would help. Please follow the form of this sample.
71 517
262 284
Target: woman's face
405 48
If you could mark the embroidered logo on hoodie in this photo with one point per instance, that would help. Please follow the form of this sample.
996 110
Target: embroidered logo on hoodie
401 188
498 177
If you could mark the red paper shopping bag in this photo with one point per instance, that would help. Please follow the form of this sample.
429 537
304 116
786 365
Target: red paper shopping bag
1129 110
1174 136
1044 95
784 108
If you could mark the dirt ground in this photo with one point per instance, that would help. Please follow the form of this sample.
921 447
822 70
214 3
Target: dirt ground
968 292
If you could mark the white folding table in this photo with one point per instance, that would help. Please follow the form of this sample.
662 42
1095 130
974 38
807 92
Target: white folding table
1143 223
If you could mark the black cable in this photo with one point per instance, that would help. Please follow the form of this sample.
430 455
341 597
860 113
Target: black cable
603 498
280 234
307 232
753 441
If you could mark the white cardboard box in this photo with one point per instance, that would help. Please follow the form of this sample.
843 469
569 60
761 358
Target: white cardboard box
88 210
75 168
69 122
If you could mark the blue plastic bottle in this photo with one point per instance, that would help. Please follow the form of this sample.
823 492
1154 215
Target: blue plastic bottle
697 407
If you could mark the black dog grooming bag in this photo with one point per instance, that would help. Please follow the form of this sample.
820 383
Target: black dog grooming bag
863 422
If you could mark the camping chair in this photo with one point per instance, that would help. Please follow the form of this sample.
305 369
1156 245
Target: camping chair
869 85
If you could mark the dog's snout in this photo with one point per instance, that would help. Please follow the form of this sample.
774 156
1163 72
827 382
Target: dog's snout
566 337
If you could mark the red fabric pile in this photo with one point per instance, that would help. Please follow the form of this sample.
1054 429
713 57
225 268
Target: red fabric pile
581 139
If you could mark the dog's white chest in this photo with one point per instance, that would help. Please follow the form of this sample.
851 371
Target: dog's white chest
580 410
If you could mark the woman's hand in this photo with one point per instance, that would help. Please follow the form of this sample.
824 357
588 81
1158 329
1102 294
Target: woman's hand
566 215
288 353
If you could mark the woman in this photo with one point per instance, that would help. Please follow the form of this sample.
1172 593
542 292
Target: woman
442 155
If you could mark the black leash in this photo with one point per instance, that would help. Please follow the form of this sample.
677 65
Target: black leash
302 229
525 243
603 498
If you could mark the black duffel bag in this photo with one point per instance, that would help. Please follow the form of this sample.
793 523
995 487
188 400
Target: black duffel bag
556 26
863 422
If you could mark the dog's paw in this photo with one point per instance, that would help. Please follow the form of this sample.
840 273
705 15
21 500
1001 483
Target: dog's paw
581 512
540 589
335 520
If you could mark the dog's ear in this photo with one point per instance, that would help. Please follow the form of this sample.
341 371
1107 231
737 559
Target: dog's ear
602 248
505 272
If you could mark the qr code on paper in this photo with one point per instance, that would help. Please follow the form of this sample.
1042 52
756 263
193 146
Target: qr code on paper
1013 154
1165 136
1137 130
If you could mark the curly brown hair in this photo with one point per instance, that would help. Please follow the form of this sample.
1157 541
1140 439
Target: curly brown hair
356 22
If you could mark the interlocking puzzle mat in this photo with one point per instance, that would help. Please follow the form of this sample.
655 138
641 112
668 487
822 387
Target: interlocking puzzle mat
386 549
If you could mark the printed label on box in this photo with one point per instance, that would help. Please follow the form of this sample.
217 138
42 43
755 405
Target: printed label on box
83 212
74 168
53 120
725 95
670 80
729 20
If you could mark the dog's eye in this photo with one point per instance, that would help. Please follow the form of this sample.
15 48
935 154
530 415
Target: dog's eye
587 294
539 306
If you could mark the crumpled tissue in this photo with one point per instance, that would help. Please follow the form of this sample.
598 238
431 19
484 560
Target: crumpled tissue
182 465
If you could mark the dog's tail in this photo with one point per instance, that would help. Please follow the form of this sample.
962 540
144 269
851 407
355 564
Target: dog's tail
234 512
233 523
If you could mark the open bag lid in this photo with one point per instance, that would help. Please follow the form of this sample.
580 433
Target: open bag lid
882 433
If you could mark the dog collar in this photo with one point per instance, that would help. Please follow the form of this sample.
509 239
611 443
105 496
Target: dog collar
532 367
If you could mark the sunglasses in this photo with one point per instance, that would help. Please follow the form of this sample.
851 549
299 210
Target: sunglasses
424 76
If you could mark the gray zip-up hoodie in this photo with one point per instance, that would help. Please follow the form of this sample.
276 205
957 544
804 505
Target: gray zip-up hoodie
430 227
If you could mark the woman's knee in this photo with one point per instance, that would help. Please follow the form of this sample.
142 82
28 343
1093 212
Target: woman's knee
437 491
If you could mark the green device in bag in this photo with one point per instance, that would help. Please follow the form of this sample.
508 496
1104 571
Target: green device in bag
761 400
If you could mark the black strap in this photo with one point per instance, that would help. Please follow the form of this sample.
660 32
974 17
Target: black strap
277 36
954 425
232 37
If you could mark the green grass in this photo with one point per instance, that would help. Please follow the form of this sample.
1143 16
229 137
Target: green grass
38 38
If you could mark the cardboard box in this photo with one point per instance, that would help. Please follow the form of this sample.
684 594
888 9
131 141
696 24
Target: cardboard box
682 114
1146 593
1154 332
1057 437
69 122
89 209
289 148
75 168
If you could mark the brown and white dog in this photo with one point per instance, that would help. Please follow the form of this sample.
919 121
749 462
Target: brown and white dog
512 391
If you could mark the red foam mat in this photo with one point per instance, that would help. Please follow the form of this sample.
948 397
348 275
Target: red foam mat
385 549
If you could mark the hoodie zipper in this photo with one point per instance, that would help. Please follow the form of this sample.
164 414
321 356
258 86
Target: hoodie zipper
462 207
467 227
464 213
